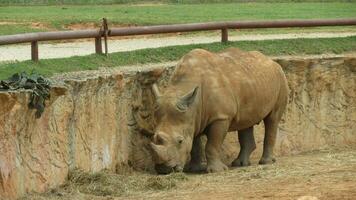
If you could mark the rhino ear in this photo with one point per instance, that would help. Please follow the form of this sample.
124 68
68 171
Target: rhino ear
185 101
156 91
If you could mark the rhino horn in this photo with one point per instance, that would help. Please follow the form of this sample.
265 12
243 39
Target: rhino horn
160 150
186 100
156 91
160 138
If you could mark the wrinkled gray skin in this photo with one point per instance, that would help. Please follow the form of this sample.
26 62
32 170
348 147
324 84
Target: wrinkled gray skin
211 94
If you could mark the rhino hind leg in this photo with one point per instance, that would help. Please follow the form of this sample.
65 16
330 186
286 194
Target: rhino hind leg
195 164
247 145
271 122
216 135
271 127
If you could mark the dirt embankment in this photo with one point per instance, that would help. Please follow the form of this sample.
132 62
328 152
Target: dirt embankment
87 127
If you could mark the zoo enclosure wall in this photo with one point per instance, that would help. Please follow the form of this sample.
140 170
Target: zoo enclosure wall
105 31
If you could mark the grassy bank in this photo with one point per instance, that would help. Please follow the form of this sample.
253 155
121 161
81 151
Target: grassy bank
97 2
270 47
60 17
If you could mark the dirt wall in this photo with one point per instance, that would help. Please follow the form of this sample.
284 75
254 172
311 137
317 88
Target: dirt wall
91 121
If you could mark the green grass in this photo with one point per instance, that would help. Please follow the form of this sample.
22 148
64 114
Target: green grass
59 17
95 2
7 29
270 47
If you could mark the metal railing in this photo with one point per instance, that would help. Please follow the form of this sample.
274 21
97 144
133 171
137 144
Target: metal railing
105 32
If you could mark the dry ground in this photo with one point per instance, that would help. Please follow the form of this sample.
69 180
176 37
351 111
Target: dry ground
328 174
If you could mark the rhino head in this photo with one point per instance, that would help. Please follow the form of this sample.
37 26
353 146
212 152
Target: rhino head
175 126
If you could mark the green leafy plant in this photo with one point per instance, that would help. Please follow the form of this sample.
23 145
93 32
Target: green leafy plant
35 83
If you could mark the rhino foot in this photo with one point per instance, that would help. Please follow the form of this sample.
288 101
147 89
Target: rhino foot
267 160
240 162
217 166
195 167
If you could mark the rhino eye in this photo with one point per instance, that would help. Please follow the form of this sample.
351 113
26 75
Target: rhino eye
180 140
156 107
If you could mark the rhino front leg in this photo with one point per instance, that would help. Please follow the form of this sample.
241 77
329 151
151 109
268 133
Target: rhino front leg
247 145
195 164
216 135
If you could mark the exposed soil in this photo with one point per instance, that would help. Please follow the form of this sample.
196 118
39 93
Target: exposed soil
148 4
10 23
328 174
82 26
33 25
40 25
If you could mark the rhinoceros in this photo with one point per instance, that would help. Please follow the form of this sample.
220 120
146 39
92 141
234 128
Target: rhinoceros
211 94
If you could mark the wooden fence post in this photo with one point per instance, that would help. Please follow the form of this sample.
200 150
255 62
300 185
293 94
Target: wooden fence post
98 46
224 35
34 51
106 34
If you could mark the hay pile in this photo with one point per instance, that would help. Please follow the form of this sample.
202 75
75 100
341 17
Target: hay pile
82 184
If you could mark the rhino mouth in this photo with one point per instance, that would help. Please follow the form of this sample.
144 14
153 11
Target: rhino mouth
164 169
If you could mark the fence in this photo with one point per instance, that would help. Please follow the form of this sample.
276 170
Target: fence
105 32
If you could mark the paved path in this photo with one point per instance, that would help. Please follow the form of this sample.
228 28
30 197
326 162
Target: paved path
61 50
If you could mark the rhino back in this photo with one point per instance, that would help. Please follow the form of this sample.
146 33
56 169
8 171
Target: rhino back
236 85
